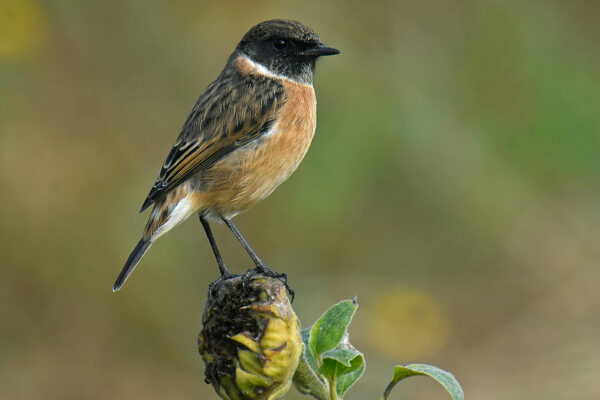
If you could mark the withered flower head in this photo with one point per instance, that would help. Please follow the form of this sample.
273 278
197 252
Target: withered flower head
250 339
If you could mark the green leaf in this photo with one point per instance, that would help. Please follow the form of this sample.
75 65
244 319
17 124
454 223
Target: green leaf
305 334
342 366
343 353
330 328
329 360
444 378
308 354
346 381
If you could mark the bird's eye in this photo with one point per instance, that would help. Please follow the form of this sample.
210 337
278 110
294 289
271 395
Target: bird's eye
279 44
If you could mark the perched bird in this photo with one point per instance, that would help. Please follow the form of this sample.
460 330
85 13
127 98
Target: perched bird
247 133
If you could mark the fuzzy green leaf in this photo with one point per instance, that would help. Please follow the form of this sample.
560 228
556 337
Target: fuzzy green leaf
330 328
343 353
444 378
342 366
308 354
346 381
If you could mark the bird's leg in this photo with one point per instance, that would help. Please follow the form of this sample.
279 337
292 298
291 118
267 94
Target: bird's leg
260 264
222 268
261 267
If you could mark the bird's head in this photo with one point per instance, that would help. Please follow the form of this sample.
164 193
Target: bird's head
285 48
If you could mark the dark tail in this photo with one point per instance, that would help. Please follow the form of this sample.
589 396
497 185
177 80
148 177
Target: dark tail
133 260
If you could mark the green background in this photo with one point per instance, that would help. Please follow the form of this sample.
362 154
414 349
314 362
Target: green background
452 186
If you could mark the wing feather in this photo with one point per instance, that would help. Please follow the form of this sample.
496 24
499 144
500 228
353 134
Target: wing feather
232 112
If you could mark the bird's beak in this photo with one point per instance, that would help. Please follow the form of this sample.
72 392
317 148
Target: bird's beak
320 50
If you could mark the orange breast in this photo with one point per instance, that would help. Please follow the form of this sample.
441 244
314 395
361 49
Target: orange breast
251 174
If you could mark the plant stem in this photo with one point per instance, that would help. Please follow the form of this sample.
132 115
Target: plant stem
307 381
333 390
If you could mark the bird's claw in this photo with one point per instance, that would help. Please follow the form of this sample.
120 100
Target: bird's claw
268 272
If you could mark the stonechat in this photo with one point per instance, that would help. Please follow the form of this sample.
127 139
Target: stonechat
246 134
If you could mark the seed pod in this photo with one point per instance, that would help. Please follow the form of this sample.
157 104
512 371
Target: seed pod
250 339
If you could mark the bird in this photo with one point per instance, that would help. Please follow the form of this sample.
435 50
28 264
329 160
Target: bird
247 133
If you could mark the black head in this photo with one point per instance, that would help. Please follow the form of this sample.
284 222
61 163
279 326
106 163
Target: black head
285 48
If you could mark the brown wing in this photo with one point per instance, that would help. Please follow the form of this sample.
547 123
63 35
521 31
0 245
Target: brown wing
233 111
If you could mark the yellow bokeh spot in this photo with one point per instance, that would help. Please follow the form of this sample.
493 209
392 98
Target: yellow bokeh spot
23 28
407 324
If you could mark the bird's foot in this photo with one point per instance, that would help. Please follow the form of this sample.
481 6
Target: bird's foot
262 269
225 274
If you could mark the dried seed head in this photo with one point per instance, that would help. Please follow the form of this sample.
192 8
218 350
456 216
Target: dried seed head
250 339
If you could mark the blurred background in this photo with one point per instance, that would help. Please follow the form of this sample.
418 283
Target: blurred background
452 186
